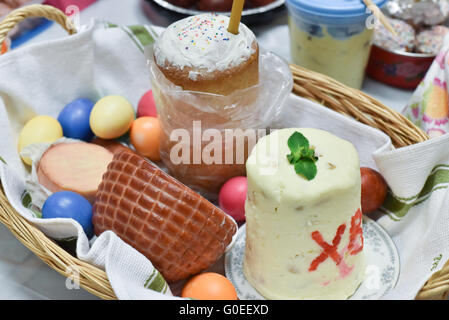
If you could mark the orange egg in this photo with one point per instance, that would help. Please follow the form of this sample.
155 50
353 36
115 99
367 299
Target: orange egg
145 135
209 286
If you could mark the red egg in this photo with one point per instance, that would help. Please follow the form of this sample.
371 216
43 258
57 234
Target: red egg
232 198
374 190
147 106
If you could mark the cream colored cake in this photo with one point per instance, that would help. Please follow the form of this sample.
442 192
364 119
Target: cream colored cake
304 238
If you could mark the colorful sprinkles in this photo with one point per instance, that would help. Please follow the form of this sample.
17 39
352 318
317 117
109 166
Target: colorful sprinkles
405 41
430 41
427 41
204 42
202 30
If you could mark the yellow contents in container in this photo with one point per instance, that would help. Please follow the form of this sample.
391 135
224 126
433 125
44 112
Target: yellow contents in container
332 37
342 59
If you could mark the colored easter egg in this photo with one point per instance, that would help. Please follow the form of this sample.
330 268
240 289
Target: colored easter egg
209 286
145 136
111 117
40 129
232 197
5 46
147 106
374 190
74 119
71 205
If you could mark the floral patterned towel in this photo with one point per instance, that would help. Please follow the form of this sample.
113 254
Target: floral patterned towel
429 106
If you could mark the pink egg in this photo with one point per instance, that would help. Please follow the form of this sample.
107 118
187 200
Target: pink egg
147 106
232 197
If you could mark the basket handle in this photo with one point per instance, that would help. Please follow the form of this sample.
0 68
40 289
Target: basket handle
35 10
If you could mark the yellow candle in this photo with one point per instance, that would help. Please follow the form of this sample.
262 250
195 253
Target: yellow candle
236 15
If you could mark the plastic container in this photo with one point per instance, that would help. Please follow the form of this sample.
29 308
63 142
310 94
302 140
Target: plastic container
332 37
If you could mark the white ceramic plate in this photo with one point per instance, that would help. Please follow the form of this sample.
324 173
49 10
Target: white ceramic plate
382 260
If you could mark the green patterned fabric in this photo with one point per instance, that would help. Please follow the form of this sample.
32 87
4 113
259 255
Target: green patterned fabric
156 282
142 36
396 207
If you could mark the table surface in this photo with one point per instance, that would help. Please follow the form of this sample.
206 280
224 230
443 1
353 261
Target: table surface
22 274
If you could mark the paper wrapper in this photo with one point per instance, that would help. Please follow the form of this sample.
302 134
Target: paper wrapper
205 138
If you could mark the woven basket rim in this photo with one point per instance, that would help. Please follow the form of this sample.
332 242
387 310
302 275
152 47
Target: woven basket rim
307 84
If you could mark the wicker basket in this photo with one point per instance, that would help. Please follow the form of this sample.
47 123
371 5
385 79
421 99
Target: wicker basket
311 85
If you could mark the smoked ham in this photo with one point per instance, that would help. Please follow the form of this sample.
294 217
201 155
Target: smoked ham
111 145
177 229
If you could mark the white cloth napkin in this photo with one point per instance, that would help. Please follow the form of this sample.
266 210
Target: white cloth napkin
42 78
417 216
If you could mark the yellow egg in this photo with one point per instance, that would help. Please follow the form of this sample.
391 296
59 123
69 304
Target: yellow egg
111 117
40 129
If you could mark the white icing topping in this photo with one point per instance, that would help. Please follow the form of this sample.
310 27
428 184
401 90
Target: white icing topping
203 42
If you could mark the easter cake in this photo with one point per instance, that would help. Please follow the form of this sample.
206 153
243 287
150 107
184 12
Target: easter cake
199 54
208 75
303 235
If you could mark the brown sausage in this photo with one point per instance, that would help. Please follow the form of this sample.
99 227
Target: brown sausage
177 229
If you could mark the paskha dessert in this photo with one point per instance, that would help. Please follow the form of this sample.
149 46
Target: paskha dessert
303 234
209 76
178 230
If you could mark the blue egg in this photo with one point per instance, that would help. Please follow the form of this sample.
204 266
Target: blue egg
68 204
74 119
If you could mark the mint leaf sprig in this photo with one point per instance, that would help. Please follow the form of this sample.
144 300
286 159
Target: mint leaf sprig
302 156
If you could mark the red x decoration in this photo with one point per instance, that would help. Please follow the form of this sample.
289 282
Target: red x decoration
356 234
328 250
355 242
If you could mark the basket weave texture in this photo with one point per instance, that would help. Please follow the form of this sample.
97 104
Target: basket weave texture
307 84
